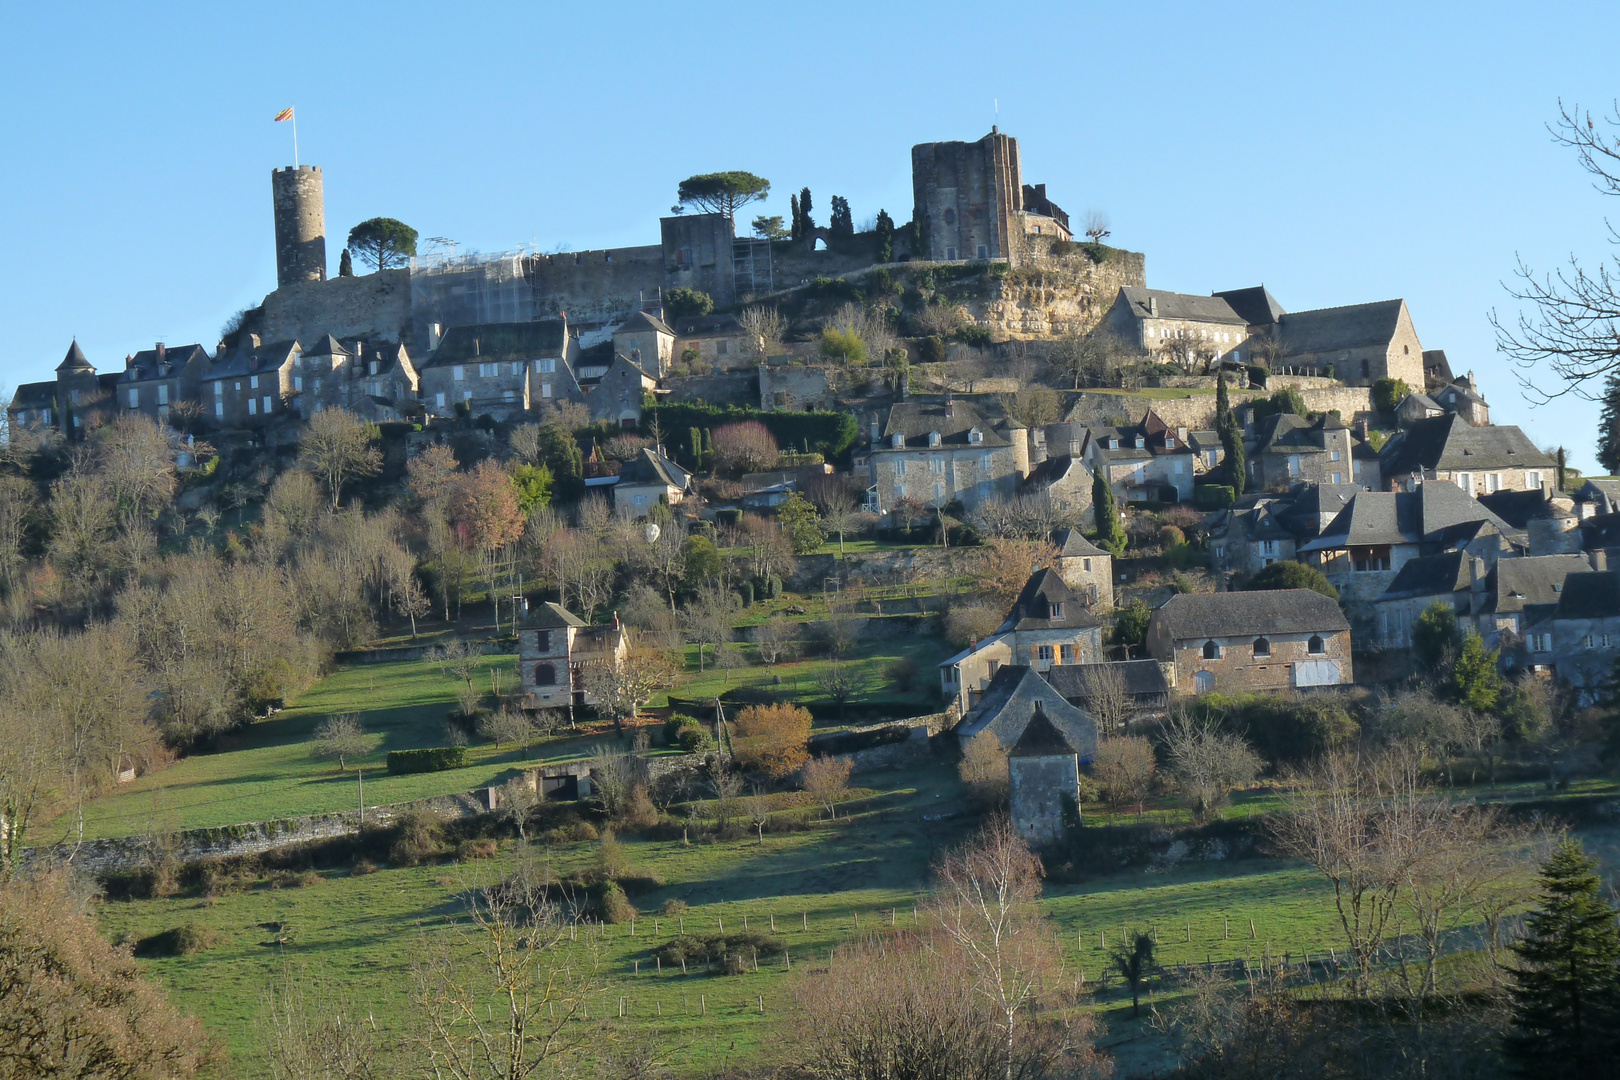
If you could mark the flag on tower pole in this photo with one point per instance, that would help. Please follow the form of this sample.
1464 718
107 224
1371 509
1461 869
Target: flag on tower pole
287 114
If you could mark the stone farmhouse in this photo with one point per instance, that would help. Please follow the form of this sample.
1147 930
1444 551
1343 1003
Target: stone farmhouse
1289 448
1008 704
1498 602
1145 462
1479 460
1085 568
1151 319
1048 625
646 341
555 650
252 385
1251 641
501 369
648 481
1266 527
1358 344
933 453
1063 483
1578 642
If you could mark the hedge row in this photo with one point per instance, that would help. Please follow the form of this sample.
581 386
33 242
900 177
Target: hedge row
433 759
826 433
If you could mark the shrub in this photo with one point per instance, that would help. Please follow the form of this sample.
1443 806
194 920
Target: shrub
686 303
772 738
843 346
476 849
433 759
420 838
984 770
362 868
673 906
1170 536
931 350
1387 394
902 673
616 907
1213 496
1131 622
735 952
187 940
694 738
676 721
973 334
1285 574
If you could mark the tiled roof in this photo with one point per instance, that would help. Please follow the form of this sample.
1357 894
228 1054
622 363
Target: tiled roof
1008 705
1435 366
74 360
1051 470
1072 543
1041 738
640 322
145 365
652 467
1397 517
1594 594
34 395
551 615
1522 583
1236 614
1430 575
1161 304
1330 329
1519 508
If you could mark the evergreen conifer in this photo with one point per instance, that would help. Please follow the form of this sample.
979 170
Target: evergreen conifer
885 237
1608 450
1568 975
795 221
1109 533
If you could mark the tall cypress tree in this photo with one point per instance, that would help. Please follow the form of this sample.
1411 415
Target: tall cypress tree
1109 533
806 222
796 223
1564 1000
885 237
1608 450
1226 426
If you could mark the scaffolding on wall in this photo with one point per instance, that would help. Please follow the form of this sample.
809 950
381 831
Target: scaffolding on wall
448 289
751 272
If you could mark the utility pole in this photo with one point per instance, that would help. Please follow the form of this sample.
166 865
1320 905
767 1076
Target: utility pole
360 775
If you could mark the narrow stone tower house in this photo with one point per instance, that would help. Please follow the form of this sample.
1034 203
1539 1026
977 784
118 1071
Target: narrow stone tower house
300 207
1044 769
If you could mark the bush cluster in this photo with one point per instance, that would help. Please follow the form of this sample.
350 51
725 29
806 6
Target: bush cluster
432 759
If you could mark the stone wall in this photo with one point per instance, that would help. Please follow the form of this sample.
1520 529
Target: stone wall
595 286
726 388
796 387
1198 411
370 306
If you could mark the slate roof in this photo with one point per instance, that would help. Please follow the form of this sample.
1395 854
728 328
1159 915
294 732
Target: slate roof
652 467
1594 594
1436 368
1031 611
1185 306
1141 677
1238 614
1430 575
1329 329
328 346
1423 401
1255 304
74 360
914 420
1072 543
34 395
1051 470
487 342
1450 443
1539 580
248 360
1403 517
1459 390
551 615
708 326
640 322
145 365
1041 738
1600 531
1153 431
1286 433
1008 705
1322 501
1605 487
1519 508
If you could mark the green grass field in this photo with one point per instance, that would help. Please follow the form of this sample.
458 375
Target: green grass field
821 885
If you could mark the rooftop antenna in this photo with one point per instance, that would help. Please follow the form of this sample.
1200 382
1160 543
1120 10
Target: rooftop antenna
996 102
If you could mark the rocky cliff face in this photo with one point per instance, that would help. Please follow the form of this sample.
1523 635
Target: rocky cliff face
1057 296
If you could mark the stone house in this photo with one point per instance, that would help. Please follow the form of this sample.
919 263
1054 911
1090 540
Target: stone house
154 380
386 385
33 406
616 397
1498 602
1048 625
1367 543
1358 344
1008 704
1253 533
1579 640
501 369
651 479
1251 641
1415 407
1043 773
718 340
1256 306
1085 568
1462 397
1144 462
646 341
934 453
1142 681
1289 448
252 384
1152 319
555 650
1479 460
1063 483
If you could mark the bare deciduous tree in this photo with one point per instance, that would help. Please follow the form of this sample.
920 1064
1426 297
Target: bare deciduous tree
1207 762
339 737
308 1034
1124 767
1107 699
337 446
764 328
983 769
825 780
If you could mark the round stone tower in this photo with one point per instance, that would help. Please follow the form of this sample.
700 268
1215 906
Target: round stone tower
300 224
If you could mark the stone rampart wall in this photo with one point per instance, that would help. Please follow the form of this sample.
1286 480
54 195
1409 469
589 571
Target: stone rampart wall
371 306
593 286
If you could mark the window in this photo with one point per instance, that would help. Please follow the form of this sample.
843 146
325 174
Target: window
219 389
1316 646
936 465
486 371
984 489
1532 480
1066 653
545 389
939 492
458 372
1493 482
897 440
899 491
722 347
950 216
1335 477
1262 647
1466 482
900 467
439 399
984 252
545 367
253 382
1043 652
1054 611
1085 564
1586 642
1113 443
253 407
1212 650
1204 682
545 675
640 500
933 438
1169 442
1541 643
267 400
984 462
950 252
134 398
517 368
1141 442
298 382
542 640
508 395
219 410
1268 547
975 436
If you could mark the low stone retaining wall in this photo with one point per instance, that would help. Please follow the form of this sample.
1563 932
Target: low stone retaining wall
913 746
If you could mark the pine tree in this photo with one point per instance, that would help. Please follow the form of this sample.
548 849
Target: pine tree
346 264
1568 976
885 237
1109 533
796 221
1608 450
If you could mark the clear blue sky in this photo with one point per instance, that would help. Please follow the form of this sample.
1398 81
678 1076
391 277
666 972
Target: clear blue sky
1337 153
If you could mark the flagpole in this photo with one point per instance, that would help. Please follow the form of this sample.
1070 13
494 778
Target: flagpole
295 139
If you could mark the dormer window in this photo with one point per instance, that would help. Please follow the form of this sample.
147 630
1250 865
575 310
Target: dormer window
933 438
1141 442
1169 442
1113 444
1054 611
975 435
897 440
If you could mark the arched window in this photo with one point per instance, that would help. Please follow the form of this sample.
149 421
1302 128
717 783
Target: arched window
950 216
545 675
1212 651
1316 646
1262 647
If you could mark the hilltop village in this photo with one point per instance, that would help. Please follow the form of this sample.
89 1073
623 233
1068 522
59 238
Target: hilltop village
763 547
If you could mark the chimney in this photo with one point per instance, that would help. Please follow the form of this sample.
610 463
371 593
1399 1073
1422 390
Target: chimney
162 353
1153 306
478 347
1600 558
950 404
1476 575
1181 433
